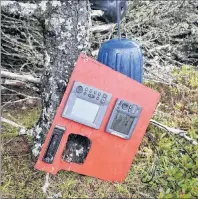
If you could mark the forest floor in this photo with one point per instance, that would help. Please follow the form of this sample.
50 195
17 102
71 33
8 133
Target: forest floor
176 171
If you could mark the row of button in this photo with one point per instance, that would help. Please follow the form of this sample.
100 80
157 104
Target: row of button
131 108
104 97
80 89
125 106
90 91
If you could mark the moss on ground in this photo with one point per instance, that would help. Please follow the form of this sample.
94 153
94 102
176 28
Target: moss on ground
25 117
176 173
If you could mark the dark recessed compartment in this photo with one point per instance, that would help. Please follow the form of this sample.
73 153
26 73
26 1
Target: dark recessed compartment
53 145
77 148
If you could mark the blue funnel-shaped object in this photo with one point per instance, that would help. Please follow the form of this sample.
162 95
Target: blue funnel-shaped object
124 56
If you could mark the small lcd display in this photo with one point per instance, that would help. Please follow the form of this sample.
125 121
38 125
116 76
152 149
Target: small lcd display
122 123
85 110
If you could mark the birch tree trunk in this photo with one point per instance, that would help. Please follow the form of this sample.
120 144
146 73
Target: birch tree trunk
66 34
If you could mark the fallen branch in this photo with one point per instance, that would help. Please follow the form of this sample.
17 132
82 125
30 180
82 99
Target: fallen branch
175 131
97 13
16 92
46 185
17 83
8 82
11 123
28 100
25 78
102 28
144 194
24 9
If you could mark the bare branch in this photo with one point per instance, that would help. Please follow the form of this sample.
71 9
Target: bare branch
175 131
97 13
102 28
25 78
23 9
11 123
26 9
8 82
28 100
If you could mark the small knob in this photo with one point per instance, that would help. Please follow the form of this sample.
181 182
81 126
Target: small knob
125 106
79 89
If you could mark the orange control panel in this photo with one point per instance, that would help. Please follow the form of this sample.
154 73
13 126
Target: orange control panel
99 124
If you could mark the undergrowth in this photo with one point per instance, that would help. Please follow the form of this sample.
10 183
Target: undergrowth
176 176
176 172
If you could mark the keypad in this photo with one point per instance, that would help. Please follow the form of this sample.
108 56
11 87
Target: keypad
92 94
128 107
125 106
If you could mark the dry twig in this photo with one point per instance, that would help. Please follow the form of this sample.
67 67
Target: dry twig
175 131
102 28
11 123
25 78
22 129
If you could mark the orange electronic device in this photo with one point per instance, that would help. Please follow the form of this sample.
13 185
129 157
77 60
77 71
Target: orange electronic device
99 124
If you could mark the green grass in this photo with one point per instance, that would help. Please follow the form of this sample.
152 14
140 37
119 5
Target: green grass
25 117
176 174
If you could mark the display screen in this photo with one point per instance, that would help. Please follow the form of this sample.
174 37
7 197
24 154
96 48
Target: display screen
122 123
85 110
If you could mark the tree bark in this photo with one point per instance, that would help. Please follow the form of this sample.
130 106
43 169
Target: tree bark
66 34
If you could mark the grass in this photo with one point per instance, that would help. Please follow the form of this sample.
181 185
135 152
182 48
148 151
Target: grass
176 173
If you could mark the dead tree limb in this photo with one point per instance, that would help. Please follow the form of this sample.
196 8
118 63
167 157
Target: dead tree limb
9 82
175 131
25 78
97 13
102 28
24 9
11 123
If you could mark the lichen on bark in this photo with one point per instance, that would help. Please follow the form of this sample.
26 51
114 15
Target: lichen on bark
66 34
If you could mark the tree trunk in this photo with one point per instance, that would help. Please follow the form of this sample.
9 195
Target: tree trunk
66 34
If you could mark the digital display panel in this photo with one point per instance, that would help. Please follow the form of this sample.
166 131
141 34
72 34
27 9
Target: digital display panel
122 123
85 110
